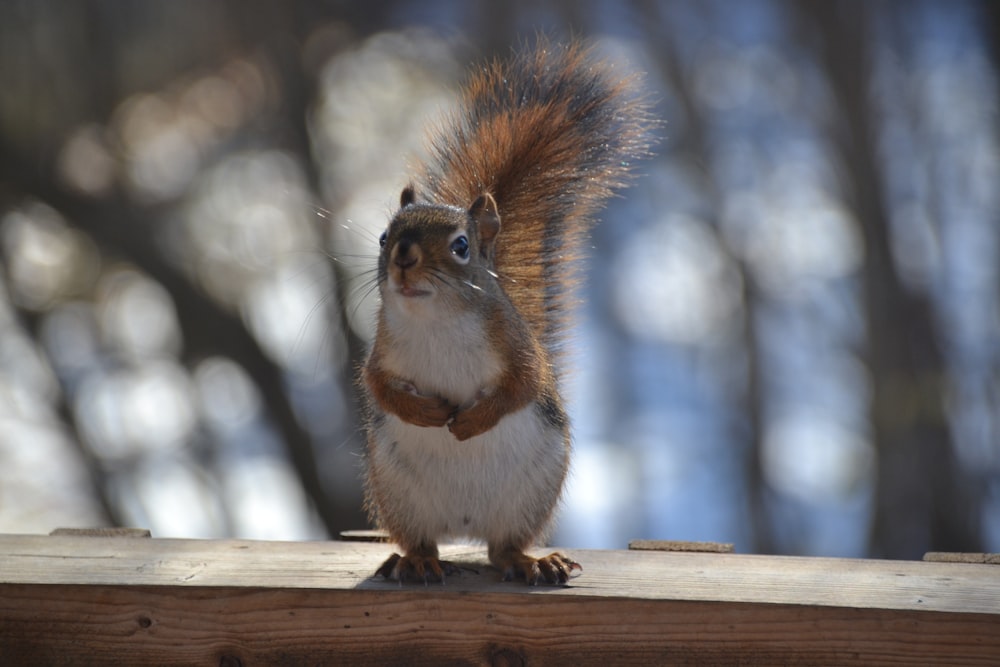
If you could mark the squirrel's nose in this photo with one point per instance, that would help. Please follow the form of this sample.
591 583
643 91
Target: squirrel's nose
404 257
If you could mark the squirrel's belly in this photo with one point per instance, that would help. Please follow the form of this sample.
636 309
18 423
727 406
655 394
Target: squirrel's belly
501 485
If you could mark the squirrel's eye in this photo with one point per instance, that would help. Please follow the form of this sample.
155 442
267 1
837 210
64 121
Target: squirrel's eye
460 247
381 239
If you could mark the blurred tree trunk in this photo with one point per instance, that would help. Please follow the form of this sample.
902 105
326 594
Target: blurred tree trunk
119 226
748 399
923 500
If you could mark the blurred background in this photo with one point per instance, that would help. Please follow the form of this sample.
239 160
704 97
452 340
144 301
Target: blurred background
791 330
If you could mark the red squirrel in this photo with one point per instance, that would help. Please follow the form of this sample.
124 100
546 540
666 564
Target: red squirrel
467 435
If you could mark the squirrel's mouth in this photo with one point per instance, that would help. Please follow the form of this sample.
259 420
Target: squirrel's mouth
409 290
412 292
409 285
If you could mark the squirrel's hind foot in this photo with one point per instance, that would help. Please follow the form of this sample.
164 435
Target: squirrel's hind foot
418 567
555 568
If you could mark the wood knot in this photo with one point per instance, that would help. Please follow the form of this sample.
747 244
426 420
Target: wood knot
507 657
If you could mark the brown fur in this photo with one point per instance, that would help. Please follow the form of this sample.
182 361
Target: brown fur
550 134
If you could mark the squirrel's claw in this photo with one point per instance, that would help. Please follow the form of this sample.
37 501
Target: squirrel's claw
416 567
553 569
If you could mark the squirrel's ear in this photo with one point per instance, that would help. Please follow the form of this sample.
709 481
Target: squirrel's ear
484 212
408 197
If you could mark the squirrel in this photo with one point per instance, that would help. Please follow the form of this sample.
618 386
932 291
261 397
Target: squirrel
466 433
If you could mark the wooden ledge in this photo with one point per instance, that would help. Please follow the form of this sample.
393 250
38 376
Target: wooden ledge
97 600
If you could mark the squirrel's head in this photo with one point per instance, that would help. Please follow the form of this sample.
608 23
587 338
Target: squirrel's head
432 249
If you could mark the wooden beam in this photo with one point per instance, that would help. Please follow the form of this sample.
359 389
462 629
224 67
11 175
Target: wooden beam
99 600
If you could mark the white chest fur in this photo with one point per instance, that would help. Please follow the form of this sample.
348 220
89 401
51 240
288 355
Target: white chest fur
445 356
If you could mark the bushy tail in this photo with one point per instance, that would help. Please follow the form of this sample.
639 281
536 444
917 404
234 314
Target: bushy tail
550 133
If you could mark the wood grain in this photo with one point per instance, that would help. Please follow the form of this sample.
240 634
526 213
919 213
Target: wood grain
95 601
677 545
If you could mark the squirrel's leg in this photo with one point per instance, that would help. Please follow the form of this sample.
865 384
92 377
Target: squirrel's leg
419 563
513 562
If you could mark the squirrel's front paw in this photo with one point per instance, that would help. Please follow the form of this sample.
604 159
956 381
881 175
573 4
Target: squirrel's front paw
466 425
431 411
417 567
463 429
